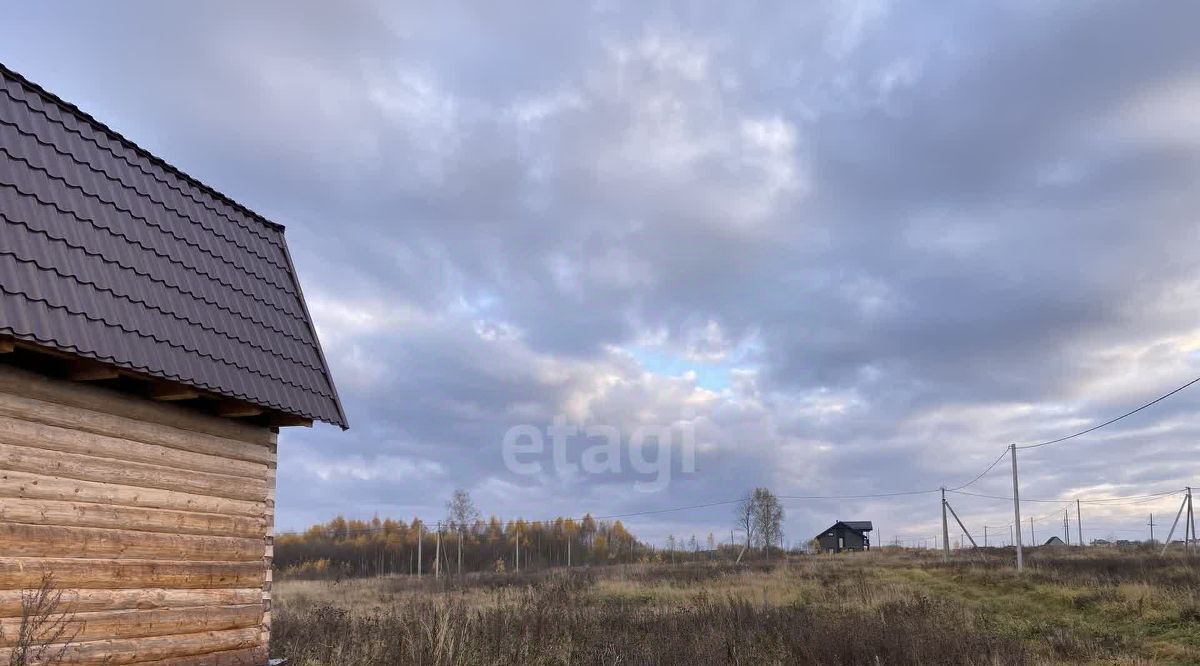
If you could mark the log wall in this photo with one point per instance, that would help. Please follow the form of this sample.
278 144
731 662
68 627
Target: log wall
154 521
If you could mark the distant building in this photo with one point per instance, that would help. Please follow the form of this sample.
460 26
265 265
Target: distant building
1054 542
845 535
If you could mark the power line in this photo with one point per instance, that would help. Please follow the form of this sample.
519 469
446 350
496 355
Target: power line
1110 501
1072 436
981 474
1112 421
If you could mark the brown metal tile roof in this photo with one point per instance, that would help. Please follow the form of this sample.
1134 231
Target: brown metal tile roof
111 253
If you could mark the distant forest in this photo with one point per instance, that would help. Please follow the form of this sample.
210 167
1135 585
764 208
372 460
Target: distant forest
461 543
344 547
464 542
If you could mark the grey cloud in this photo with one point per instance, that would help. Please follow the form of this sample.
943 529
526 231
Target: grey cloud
916 222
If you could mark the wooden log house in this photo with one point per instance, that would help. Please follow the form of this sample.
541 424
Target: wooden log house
153 340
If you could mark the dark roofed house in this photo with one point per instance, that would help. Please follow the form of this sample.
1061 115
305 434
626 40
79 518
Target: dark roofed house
153 338
846 535
1054 542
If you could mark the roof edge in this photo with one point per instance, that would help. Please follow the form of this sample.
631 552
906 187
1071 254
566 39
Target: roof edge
312 327
174 170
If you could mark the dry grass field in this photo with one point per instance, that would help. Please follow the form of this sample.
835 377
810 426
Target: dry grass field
1070 606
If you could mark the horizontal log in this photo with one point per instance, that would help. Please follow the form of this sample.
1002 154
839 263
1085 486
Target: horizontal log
91 600
82 514
37 486
18 573
143 475
124 417
255 656
140 650
23 540
19 432
19 381
83 627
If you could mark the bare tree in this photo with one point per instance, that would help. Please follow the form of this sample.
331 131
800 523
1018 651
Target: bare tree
760 516
768 518
461 512
45 630
743 515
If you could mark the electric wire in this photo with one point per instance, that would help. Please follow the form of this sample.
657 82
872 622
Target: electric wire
1109 501
1112 421
981 474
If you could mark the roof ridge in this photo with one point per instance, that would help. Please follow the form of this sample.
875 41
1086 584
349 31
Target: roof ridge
174 170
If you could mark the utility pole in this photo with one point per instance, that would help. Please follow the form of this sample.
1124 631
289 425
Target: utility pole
1151 523
1066 528
420 529
1189 522
1191 518
517 559
985 536
1079 520
568 551
1032 534
945 530
437 553
1017 508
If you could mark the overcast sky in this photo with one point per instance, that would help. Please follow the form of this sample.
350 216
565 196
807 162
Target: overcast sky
858 247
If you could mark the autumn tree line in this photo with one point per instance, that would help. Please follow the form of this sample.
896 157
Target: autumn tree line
464 542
